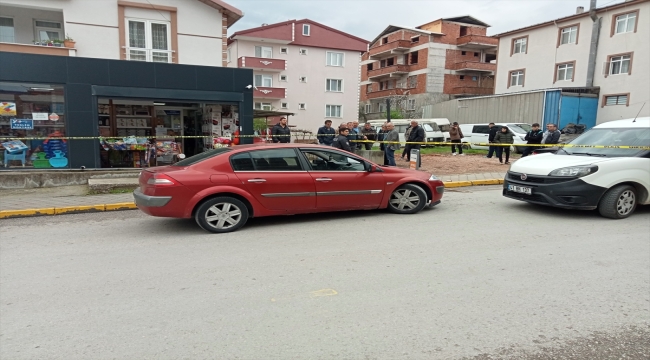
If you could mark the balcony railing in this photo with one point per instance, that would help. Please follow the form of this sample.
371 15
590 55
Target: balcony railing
37 49
473 66
389 49
387 92
469 90
270 92
263 64
149 55
477 42
388 71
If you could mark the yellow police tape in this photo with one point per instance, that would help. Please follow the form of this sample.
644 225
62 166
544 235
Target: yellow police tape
308 137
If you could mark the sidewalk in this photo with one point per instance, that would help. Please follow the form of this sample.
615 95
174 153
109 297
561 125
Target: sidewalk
73 199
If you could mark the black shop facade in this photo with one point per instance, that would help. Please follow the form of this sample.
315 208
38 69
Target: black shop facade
70 112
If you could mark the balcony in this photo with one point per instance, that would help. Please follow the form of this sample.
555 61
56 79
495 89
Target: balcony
390 49
269 93
37 49
387 92
474 66
388 72
478 42
262 64
467 90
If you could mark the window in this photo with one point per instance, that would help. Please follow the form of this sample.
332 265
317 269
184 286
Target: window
381 107
306 29
474 78
520 46
47 30
619 64
228 56
463 53
564 72
387 62
516 78
283 77
462 77
410 104
369 67
285 105
242 162
303 79
334 59
7 33
415 39
202 157
264 80
333 111
284 51
463 30
414 57
625 23
569 35
413 81
275 160
324 160
148 41
384 40
334 85
265 52
476 54
303 51
390 84
263 106
302 106
621 99
369 88
368 108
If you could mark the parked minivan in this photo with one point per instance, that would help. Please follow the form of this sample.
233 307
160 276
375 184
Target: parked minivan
437 130
612 179
478 133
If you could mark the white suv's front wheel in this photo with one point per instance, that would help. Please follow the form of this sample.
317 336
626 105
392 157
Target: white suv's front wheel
618 202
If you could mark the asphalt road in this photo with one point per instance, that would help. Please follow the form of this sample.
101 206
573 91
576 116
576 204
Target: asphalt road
478 277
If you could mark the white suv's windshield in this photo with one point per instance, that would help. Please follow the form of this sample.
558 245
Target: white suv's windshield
611 137
428 127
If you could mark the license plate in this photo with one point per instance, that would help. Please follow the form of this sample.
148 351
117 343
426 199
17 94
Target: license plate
520 189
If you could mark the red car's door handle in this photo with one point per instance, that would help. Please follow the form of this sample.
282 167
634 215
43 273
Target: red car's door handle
257 180
323 179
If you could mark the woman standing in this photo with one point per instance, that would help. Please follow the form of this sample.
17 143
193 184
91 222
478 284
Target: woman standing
504 136
455 135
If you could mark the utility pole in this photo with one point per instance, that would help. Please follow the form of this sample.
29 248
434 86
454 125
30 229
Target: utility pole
388 109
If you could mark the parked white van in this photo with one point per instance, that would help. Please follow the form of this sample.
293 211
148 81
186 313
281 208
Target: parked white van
611 179
436 130
478 133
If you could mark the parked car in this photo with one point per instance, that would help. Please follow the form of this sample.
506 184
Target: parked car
222 188
610 179
478 133
436 130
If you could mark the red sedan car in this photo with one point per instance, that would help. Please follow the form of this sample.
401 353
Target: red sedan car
222 188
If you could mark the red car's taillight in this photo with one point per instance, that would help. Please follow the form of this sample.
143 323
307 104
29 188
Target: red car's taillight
161 180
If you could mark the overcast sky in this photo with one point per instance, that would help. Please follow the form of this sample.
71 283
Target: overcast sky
367 18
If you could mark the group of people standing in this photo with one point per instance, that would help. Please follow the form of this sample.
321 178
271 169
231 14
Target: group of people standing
503 135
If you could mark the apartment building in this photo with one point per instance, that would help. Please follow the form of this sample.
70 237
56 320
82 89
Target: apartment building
181 32
303 67
438 61
609 63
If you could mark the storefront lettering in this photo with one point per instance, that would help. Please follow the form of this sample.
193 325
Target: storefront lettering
22 124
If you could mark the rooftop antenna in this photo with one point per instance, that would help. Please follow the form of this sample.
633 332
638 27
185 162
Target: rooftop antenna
637 114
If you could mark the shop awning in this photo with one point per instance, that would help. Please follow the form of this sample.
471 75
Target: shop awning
268 113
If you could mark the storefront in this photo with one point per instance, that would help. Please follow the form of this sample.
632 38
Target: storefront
115 113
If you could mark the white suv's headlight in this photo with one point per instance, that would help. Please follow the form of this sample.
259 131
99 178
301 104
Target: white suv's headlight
433 178
575 171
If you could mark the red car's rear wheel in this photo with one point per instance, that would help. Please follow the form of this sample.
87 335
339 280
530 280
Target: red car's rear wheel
221 215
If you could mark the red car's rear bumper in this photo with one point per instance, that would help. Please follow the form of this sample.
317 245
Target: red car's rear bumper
163 206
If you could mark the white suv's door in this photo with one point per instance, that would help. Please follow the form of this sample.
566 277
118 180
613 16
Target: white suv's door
480 134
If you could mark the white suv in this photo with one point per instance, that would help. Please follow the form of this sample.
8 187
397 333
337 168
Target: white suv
610 179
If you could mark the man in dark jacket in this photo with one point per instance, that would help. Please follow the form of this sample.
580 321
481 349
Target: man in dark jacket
369 134
505 136
341 140
326 134
352 136
552 135
281 132
534 136
493 132
380 137
417 135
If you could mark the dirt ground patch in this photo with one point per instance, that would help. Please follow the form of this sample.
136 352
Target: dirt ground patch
443 164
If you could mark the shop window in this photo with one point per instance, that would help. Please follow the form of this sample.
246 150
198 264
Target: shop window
148 41
7 32
34 112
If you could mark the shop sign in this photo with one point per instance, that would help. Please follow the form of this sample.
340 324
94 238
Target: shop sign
7 109
54 117
22 124
39 116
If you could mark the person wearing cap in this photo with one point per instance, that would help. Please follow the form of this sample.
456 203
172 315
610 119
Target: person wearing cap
281 132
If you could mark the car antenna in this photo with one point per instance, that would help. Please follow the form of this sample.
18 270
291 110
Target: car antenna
637 114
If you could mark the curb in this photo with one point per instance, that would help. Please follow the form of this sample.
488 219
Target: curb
8 214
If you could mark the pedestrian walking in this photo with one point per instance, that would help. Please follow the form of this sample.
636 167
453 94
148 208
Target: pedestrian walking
416 135
281 132
456 134
341 140
493 132
392 137
534 136
369 134
505 136
552 135
326 134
